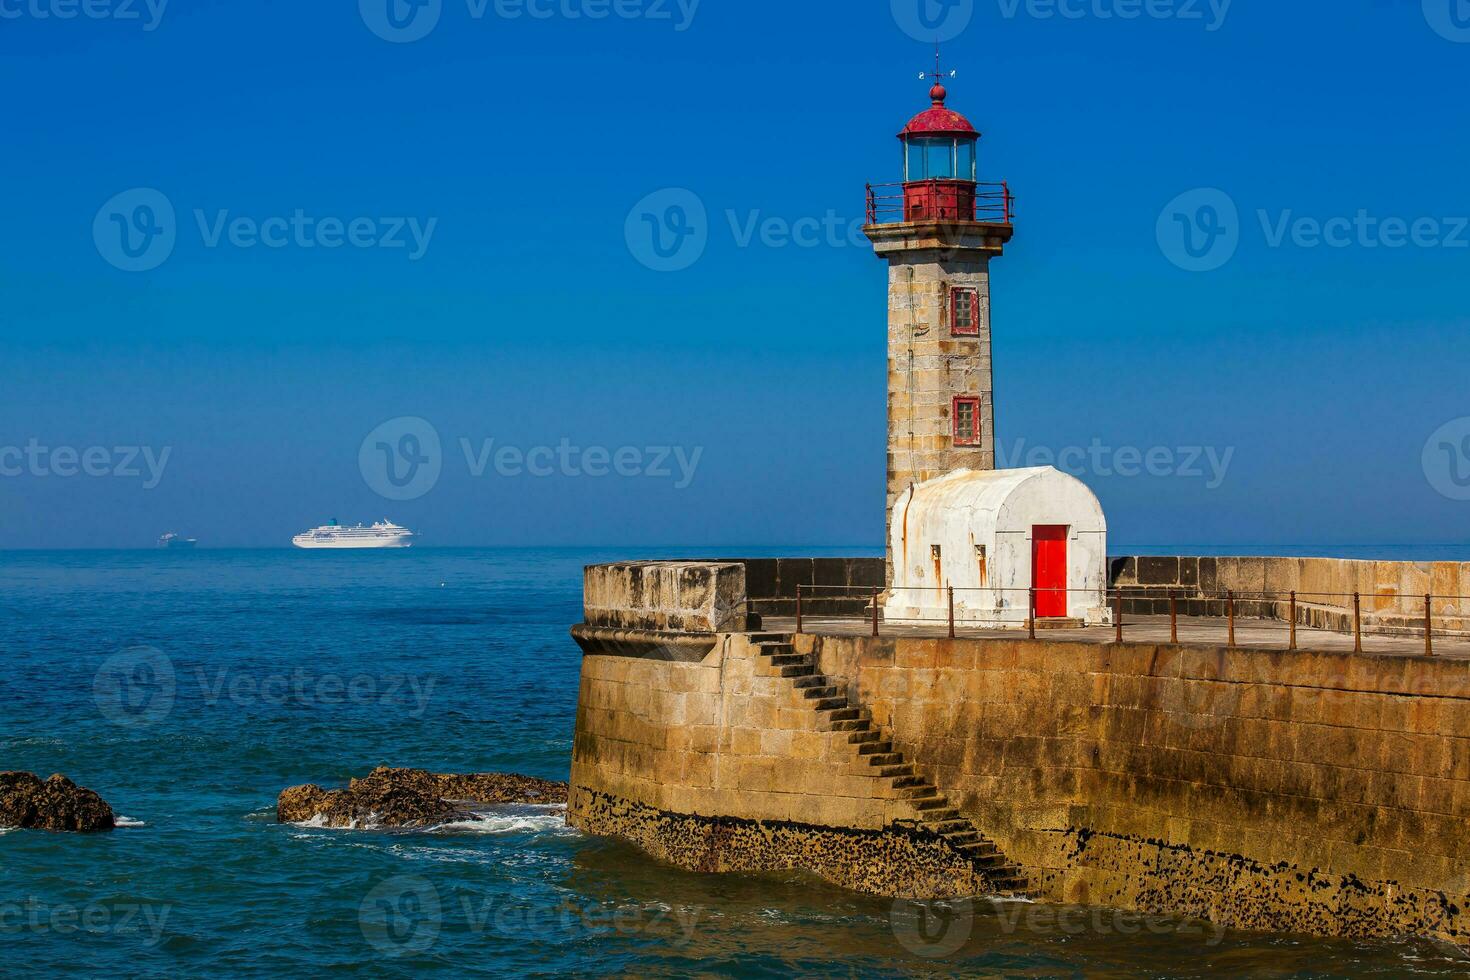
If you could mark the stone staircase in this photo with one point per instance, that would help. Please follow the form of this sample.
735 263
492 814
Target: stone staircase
935 815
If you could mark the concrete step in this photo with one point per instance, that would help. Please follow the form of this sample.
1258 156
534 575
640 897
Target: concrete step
896 771
831 704
935 802
886 759
789 659
776 649
952 827
931 819
860 729
760 638
876 748
816 680
966 840
922 791
806 670
908 779
1008 880
991 862
819 693
845 713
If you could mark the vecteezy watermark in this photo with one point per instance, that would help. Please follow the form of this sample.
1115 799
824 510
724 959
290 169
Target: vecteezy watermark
669 230
933 20
39 917
1207 463
1447 459
137 231
148 13
1201 230
122 462
405 914
406 21
135 688
1037 919
401 915
140 686
1210 14
403 459
932 929
1450 19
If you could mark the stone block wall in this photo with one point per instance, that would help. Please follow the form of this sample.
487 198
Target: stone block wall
720 765
679 596
1302 792
1392 591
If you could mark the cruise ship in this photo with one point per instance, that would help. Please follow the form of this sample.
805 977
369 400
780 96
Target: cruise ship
384 534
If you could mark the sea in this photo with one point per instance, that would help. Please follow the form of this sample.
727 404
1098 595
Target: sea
190 688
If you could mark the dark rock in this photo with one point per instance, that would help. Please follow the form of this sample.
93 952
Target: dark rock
411 798
58 804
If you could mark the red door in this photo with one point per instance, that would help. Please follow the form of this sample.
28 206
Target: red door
1049 569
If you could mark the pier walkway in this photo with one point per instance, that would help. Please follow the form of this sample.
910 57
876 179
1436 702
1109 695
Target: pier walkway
1250 634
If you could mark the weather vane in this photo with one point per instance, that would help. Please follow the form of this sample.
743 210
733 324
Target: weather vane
938 74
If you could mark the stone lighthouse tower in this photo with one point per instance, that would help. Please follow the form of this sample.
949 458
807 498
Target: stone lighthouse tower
938 231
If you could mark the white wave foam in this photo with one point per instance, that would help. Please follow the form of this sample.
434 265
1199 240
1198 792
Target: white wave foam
520 820
126 822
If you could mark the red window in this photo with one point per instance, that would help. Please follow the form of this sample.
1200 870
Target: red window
964 311
967 421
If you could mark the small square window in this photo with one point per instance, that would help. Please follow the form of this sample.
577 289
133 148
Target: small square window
964 311
967 421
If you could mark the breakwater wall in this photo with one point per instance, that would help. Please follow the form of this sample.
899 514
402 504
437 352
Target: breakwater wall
1285 791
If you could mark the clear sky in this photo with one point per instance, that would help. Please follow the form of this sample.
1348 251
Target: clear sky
245 234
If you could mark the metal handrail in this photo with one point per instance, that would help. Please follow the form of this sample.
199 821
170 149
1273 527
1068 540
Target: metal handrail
1352 605
994 202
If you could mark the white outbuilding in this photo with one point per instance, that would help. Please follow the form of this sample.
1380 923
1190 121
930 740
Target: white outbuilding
998 538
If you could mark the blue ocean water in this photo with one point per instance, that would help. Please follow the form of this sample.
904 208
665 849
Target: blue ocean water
189 688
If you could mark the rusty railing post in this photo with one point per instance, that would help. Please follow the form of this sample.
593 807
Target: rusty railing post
876 593
1118 618
798 610
1357 622
1429 626
951 612
1230 614
1031 613
1292 645
1173 617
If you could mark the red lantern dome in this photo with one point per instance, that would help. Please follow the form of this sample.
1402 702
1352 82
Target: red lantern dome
938 120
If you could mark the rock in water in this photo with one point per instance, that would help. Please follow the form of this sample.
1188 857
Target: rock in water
56 804
411 798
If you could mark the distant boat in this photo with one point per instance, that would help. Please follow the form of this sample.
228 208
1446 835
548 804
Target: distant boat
177 542
384 534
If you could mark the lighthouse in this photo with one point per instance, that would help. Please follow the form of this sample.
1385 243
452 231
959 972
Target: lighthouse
938 230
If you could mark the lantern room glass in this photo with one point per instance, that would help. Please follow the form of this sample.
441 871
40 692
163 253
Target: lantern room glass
939 158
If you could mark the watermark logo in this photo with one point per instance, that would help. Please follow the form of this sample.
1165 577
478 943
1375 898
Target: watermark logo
933 20
136 230
1199 231
122 462
668 230
401 916
1447 459
40 917
135 688
119 10
401 21
932 929
1450 19
401 459
1210 13
1207 463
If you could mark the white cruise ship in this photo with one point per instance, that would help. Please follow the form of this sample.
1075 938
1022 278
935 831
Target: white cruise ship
384 534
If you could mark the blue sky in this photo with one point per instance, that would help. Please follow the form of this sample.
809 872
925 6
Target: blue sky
1328 381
